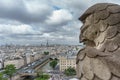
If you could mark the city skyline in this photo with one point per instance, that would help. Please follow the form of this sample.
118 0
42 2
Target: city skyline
35 21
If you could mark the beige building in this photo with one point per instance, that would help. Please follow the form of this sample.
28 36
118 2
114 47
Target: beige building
38 55
17 62
67 60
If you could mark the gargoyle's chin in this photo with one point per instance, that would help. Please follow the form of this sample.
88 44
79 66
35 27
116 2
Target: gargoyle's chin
89 43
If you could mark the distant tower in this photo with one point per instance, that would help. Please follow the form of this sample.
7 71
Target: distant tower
47 45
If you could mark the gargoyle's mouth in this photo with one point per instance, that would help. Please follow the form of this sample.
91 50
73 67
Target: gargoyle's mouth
88 42
83 40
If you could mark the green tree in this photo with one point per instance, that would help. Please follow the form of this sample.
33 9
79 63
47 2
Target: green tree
70 71
10 70
43 77
46 52
2 77
53 63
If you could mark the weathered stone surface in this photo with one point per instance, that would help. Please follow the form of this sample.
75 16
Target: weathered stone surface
100 59
79 74
111 45
113 62
103 26
100 69
94 8
115 78
90 52
96 78
83 78
101 15
113 19
111 32
87 68
114 9
81 55
101 38
93 52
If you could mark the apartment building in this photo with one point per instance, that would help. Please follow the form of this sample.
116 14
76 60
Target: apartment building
67 60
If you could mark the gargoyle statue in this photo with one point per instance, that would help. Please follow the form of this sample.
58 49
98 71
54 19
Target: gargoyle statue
100 58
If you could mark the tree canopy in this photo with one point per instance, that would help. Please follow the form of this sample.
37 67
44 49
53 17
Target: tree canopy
2 77
53 63
10 70
70 71
46 52
43 77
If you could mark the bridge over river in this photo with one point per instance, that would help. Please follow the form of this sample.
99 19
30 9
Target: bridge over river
32 68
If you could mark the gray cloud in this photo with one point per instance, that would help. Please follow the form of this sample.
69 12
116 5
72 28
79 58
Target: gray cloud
35 21
20 11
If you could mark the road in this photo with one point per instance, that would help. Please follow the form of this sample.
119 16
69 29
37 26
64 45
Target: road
55 77
30 67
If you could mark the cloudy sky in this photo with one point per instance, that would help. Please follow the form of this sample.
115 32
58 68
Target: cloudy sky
36 21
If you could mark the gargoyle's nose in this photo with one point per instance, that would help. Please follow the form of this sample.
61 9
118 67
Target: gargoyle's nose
82 39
